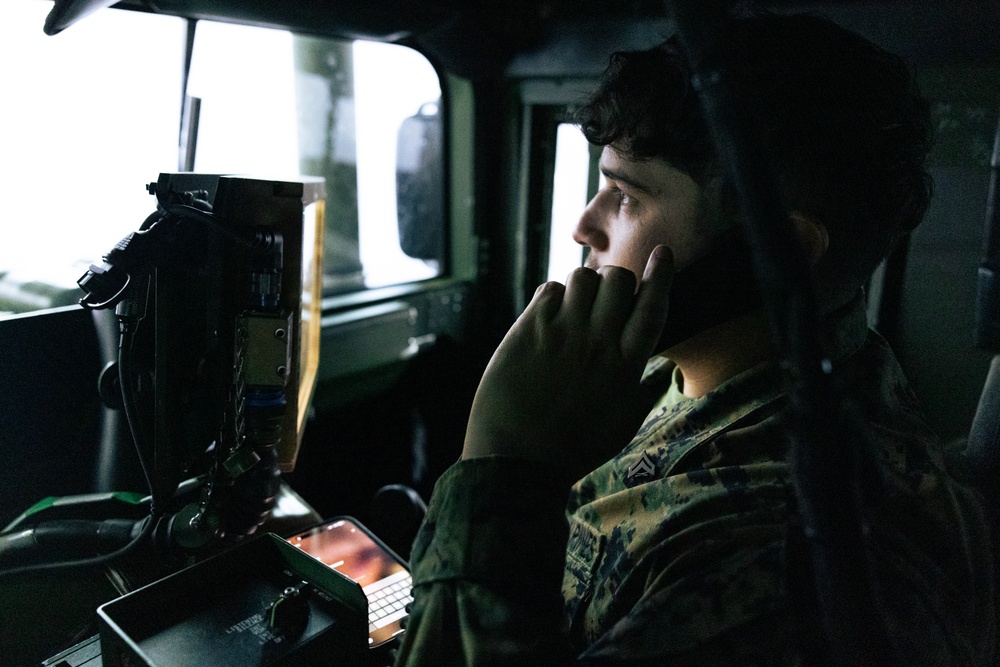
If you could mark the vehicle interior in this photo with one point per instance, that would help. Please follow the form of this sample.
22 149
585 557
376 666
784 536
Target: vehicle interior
438 136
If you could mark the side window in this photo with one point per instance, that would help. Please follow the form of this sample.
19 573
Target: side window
85 128
90 116
573 184
363 115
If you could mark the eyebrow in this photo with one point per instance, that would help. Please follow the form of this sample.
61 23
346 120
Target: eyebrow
624 178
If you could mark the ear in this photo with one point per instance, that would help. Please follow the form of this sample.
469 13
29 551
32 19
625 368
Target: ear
812 234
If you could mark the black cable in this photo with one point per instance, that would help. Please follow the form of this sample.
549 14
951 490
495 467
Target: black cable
150 220
146 530
835 471
257 239
129 401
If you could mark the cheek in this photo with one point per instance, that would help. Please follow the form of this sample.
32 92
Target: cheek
684 232
637 248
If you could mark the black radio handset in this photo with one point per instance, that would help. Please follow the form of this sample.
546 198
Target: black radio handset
715 288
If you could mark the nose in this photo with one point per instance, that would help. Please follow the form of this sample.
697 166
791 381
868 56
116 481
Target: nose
591 228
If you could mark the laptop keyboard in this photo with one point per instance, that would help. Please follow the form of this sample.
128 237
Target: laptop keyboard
387 599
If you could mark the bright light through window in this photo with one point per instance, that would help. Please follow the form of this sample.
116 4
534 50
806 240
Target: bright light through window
93 114
569 198
245 79
391 84
89 116
272 107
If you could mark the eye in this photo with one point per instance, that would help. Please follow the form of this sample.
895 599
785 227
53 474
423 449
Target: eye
621 197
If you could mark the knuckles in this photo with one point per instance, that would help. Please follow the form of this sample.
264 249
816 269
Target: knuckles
588 311
550 290
582 274
617 275
614 275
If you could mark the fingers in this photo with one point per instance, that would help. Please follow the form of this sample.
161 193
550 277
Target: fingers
614 301
601 300
606 304
645 324
582 286
547 300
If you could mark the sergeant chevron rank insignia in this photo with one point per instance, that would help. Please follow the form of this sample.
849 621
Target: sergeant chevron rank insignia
642 469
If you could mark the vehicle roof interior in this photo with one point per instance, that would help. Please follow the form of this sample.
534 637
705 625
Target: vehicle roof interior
479 38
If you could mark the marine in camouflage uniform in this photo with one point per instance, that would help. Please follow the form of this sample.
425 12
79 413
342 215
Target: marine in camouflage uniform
685 547
675 552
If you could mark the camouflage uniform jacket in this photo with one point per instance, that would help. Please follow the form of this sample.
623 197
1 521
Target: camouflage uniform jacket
676 551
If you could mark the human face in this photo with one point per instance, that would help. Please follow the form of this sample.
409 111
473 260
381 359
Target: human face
645 203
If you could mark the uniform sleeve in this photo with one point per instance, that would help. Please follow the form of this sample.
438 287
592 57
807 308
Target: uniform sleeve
735 590
489 562
487 568
722 602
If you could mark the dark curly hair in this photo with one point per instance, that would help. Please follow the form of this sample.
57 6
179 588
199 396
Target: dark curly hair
841 120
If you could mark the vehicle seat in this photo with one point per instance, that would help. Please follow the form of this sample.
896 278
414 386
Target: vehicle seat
396 513
978 463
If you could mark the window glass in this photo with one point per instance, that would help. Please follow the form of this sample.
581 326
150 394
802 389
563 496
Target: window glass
90 115
244 78
97 113
363 115
569 197
399 147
